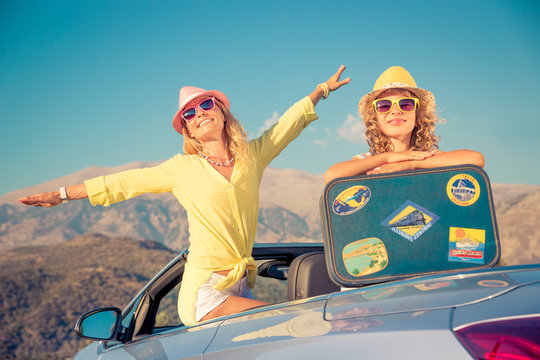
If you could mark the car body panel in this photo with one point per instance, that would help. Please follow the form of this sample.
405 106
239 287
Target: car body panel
407 319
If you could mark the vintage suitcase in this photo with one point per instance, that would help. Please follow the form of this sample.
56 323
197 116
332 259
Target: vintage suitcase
392 226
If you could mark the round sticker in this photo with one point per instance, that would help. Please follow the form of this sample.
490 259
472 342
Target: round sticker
463 190
493 283
351 200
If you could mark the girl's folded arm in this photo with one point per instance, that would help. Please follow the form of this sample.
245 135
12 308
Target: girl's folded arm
449 158
355 166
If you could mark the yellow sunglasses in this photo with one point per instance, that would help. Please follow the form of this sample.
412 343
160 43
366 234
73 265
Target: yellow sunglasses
383 106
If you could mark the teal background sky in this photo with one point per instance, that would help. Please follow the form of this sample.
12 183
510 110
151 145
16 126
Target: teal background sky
86 83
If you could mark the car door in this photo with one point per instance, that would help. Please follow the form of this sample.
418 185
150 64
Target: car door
180 343
259 334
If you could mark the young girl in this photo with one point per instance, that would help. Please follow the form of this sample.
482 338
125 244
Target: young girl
400 122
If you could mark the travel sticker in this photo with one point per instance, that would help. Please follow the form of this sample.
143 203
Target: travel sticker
410 220
463 189
351 200
364 257
466 245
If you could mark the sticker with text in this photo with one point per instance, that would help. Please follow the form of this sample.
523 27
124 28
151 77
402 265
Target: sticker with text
351 200
410 220
463 190
466 245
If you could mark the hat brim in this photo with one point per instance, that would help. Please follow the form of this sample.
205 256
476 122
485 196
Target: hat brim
177 120
422 94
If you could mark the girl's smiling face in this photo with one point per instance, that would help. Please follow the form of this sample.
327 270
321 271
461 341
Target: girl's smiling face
396 124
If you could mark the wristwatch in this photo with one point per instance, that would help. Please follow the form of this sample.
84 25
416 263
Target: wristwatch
63 195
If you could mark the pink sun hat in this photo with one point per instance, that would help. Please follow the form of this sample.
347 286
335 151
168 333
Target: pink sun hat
188 93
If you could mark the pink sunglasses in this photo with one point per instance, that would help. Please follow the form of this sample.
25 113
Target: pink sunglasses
205 105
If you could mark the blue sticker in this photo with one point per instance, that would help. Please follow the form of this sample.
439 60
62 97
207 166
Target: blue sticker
410 220
351 200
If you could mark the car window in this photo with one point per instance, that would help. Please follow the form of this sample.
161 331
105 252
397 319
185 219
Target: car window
266 289
167 313
270 290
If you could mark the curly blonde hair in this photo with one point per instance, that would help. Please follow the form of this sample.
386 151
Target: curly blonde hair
235 136
423 137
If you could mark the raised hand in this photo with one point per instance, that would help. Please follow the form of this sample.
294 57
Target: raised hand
334 83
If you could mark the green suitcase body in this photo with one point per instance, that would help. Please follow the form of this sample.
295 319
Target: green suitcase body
392 226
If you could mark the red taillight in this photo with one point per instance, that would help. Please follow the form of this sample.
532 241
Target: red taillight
510 339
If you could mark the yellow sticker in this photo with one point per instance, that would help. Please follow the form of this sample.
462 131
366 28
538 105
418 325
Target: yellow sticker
463 190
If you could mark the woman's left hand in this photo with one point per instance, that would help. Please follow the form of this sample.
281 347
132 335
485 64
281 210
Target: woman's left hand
334 83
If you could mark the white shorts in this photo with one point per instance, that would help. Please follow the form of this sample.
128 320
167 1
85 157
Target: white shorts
209 298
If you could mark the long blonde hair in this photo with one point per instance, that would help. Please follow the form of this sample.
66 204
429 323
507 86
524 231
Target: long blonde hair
235 137
423 137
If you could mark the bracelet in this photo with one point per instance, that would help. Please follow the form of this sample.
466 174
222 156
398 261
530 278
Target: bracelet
63 195
325 88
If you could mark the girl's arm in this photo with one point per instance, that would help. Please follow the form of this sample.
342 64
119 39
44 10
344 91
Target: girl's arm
457 157
74 192
439 159
357 166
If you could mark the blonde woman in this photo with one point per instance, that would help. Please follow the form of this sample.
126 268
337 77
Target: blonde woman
217 181
400 123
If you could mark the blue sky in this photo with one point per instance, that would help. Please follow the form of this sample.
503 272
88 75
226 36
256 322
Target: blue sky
87 83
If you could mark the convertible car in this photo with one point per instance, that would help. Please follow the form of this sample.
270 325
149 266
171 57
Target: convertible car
410 276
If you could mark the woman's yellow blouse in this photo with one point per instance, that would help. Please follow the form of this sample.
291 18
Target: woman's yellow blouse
222 215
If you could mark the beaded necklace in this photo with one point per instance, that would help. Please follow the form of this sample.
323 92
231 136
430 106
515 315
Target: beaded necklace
226 163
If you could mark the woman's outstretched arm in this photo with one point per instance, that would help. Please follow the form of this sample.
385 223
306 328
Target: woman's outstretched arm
74 192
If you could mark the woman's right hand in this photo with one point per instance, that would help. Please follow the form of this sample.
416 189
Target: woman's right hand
42 199
392 157
73 192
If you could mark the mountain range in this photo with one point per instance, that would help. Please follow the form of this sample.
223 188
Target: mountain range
46 288
289 212
57 263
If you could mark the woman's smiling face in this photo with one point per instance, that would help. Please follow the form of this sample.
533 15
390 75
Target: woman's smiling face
396 123
206 124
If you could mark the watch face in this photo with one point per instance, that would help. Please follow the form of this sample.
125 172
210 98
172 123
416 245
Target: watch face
63 195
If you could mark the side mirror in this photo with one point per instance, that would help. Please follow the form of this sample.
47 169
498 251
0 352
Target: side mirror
99 324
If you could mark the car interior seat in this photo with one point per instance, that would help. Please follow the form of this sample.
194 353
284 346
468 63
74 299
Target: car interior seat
308 276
